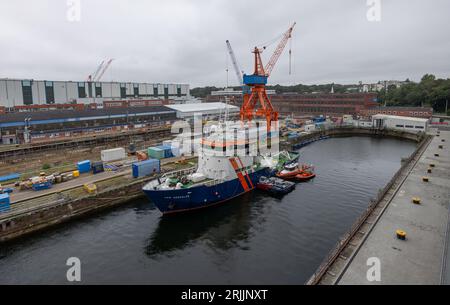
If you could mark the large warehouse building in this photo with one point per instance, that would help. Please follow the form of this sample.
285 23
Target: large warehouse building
16 92
313 104
381 121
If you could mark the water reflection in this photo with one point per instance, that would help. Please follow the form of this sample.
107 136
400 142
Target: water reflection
221 227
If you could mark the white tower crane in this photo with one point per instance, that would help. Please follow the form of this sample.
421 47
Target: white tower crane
104 70
235 64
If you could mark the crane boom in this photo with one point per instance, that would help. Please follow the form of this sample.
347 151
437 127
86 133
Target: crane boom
98 70
93 76
279 50
104 70
235 63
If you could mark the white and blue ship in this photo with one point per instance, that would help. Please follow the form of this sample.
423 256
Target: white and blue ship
218 177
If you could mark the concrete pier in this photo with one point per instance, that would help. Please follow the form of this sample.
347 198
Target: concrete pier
422 257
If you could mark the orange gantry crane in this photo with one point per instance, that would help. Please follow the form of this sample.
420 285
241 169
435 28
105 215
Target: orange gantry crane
256 94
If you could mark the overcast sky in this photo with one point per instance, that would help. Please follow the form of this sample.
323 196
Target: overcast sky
184 41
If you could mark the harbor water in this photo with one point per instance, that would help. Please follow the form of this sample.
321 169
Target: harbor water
254 239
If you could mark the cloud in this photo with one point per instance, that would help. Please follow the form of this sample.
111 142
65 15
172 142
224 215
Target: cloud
181 41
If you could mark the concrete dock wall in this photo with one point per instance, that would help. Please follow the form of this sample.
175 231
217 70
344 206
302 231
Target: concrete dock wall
351 132
63 210
341 257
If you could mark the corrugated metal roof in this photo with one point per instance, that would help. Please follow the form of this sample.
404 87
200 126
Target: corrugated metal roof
404 118
19 117
199 107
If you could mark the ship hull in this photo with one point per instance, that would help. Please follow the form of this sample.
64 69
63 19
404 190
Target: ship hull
183 200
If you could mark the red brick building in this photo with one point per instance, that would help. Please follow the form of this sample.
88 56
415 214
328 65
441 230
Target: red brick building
314 104
415 112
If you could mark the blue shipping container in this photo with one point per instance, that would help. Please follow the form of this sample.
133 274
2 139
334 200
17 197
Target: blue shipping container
9 177
84 166
167 151
4 198
146 168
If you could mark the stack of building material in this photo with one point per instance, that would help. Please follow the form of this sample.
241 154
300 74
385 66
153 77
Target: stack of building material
141 156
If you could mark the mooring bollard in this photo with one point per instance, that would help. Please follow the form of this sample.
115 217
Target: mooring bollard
401 234
416 200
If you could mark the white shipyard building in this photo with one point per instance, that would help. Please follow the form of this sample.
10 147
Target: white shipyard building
22 92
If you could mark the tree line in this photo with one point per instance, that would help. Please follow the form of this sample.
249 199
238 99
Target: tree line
429 92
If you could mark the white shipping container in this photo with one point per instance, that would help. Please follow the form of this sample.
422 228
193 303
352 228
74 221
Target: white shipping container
115 154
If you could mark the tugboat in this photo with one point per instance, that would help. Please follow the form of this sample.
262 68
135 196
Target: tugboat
290 171
275 186
305 176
